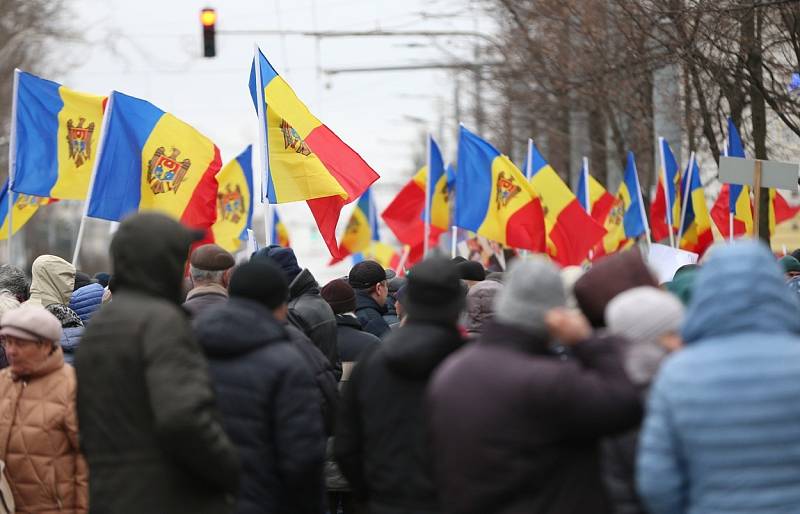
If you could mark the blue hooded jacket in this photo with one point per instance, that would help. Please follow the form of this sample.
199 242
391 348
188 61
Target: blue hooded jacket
86 301
722 431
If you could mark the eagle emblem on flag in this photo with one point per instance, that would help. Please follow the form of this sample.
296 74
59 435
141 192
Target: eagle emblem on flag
617 213
291 139
79 141
165 173
506 189
230 204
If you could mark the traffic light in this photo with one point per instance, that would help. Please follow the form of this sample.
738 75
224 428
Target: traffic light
208 17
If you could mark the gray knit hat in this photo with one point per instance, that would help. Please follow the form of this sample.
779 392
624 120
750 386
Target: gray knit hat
532 287
642 315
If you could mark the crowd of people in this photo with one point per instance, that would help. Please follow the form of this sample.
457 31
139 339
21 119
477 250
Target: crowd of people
216 386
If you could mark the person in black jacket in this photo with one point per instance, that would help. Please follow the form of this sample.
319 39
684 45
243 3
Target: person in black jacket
307 310
381 444
266 393
351 339
371 283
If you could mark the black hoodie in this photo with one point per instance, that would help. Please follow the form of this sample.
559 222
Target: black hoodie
380 440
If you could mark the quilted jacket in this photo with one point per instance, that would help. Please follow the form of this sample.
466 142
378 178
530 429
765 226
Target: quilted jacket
39 439
86 301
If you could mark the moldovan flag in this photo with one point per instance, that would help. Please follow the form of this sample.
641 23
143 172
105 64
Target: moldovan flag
150 160
361 230
660 217
24 207
405 214
594 199
734 199
780 210
381 253
55 135
438 193
627 219
697 235
280 234
494 199
234 201
571 231
306 160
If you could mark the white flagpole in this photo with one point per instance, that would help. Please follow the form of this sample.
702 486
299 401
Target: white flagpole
667 200
262 134
686 195
453 241
529 172
588 205
427 214
730 198
641 204
12 160
403 258
98 155
269 223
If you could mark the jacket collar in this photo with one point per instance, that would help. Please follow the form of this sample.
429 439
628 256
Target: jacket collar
52 362
365 301
502 334
304 283
205 290
347 320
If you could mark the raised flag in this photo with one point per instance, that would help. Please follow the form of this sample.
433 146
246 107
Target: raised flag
362 228
733 200
594 199
22 210
404 215
438 193
150 160
305 160
382 253
627 219
55 135
696 234
571 231
667 194
493 197
280 234
234 202
780 210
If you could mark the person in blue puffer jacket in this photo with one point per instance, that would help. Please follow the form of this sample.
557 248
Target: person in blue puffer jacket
722 431
86 301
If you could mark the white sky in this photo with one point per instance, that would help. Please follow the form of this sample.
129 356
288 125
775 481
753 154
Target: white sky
153 49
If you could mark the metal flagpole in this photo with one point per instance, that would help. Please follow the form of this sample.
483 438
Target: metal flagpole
667 200
686 195
262 134
427 214
12 160
586 192
730 199
269 222
529 173
98 155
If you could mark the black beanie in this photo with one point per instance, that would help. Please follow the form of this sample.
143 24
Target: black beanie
433 292
262 281
471 270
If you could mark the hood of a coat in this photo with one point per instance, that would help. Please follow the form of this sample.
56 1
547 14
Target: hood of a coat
415 349
346 320
304 283
52 280
237 327
480 304
87 300
148 254
740 289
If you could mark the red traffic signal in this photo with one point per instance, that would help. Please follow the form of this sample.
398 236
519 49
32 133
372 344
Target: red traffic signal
208 18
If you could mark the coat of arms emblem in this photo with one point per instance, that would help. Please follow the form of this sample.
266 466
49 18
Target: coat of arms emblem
79 141
617 212
291 139
230 204
29 200
165 173
506 190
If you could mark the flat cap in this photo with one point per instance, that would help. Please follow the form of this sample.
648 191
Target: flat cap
31 323
211 257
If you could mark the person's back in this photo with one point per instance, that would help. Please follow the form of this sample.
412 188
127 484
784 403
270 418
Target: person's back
516 429
145 406
266 394
721 432
381 442
85 301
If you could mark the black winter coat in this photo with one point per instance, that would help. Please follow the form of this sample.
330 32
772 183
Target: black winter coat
268 400
516 429
309 312
370 314
352 339
381 441
149 427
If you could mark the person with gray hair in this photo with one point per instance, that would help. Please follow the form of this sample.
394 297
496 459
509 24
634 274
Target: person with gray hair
209 270
7 302
14 281
513 426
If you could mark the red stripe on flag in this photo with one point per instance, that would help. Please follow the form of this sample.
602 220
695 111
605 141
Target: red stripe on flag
525 229
573 235
602 207
201 211
658 214
404 215
343 163
326 212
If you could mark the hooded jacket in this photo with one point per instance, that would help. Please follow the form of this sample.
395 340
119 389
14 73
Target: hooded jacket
309 312
150 430
480 305
86 301
52 281
269 405
370 314
39 439
721 432
381 442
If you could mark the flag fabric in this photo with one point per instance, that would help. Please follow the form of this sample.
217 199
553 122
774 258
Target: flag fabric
404 215
595 199
780 210
382 253
234 202
451 177
150 160
23 209
306 160
56 135
733 199
362 228
571 231
696 234
627 220
661 217
280 234
493 197
438 193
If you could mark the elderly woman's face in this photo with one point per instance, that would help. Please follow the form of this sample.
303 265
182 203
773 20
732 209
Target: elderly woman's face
25 356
